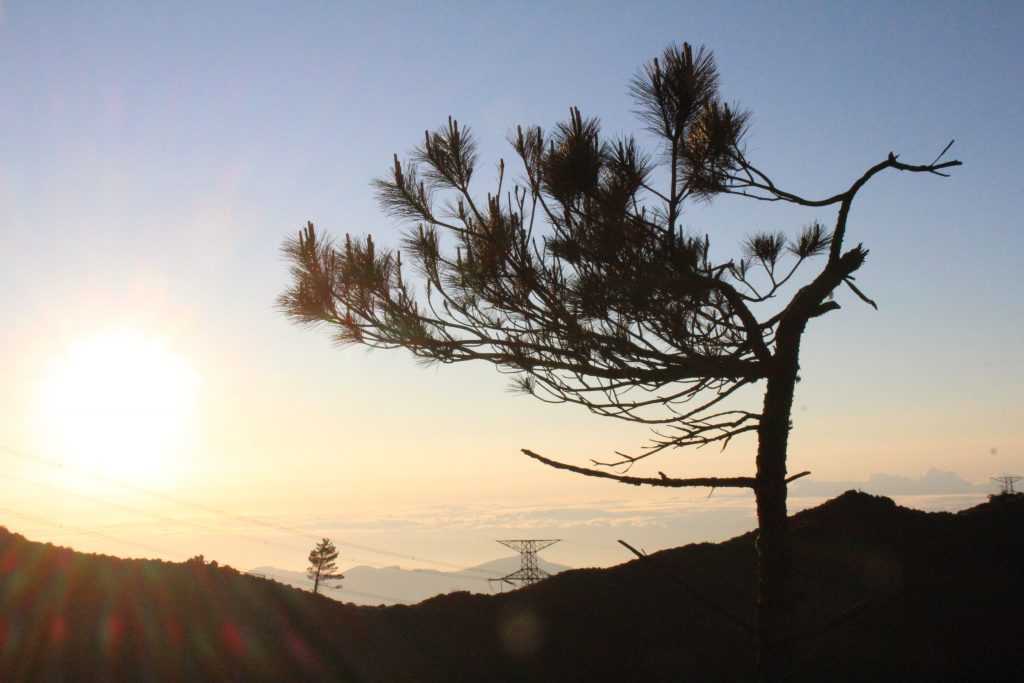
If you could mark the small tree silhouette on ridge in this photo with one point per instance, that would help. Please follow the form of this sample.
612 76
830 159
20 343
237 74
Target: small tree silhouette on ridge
322 565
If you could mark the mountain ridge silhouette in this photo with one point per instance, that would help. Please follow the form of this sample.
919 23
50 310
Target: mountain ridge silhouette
884 593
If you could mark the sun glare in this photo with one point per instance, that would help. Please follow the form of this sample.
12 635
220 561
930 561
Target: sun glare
118 404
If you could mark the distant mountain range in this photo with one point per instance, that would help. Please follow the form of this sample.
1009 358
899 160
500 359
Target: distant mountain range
365 585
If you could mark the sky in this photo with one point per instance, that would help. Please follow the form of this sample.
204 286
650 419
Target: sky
153 156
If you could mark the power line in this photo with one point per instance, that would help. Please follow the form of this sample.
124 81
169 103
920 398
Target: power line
155 515
460 570
82 530
91 532
182 522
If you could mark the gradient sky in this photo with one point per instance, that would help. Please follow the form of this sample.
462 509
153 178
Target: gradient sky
154 155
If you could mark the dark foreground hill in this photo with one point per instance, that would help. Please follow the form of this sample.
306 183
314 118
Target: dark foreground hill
886 593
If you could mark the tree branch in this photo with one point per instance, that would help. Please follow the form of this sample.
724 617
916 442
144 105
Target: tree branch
716 482
797 476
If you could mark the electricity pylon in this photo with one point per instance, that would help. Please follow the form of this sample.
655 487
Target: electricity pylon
529 571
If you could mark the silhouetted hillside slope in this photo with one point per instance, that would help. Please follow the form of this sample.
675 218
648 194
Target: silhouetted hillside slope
886 593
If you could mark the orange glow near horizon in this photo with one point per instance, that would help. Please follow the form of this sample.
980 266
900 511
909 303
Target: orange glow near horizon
118 403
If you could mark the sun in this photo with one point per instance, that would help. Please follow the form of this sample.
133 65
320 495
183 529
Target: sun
120 404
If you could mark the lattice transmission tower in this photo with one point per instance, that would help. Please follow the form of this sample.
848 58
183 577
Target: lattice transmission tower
529 571
1007 481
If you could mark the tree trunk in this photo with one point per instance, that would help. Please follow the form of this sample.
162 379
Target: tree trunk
774 599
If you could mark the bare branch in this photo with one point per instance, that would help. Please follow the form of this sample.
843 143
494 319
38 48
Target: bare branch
632 549
724 482
793 478
862 295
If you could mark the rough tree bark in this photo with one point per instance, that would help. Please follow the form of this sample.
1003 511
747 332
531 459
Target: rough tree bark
774 595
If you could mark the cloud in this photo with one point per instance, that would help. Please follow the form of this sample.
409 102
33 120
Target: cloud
590 529
932 482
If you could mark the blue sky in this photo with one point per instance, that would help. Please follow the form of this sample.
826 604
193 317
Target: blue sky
154 155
